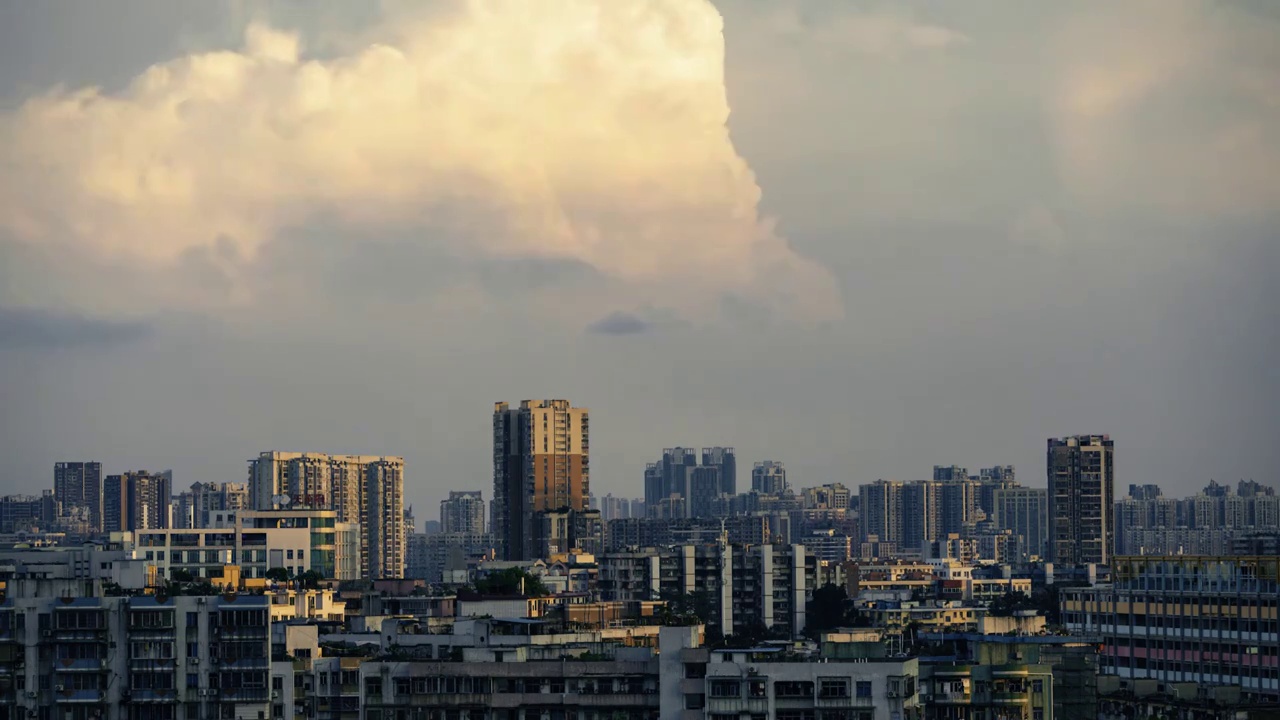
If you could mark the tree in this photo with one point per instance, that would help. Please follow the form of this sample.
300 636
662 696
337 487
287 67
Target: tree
278 574
512 581
826 610
310 580
179 575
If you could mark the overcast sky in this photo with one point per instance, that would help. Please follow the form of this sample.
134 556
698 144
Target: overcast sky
859 238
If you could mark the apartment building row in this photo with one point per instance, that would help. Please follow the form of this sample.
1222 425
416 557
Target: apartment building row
739 587
1198 619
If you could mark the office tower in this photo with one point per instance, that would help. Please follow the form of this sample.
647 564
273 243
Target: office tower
952 472
541 454
921 514
463 512
880 506
724 459
769 477
364 489
79 484
410 523
1081 499
1025 512
136 501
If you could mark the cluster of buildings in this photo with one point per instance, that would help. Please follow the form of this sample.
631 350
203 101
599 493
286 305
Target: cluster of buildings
307 591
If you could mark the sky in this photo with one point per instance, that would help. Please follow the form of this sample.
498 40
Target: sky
859 238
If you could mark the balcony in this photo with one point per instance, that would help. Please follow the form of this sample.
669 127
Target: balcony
844 702
737 706
1006 698
951 698
153 696
80 665
78 696
242 694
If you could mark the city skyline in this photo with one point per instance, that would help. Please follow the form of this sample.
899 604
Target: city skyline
818 232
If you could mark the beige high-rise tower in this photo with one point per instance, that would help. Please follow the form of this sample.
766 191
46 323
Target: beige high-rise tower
364 489
541 464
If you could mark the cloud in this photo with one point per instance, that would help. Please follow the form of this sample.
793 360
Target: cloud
566 132
620 323
24 329
845 29
1170 106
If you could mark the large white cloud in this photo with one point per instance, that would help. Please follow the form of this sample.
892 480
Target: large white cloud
568 129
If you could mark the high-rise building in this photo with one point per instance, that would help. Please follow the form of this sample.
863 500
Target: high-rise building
79 484
383 524
950 472
880 505
541 454
724 459
1025 512
136 501
27 512
1145 492
958 506
463 512
1081 498
921 514
364 489
769 477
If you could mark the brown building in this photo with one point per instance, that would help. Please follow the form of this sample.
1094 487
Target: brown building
541 464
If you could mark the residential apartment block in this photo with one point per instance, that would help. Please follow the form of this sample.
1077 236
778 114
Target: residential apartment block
1208 620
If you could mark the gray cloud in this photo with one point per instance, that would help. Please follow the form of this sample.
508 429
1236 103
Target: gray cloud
620 323
27 329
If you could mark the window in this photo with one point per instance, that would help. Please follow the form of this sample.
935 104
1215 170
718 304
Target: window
758 689
694 701
695 670
834 688
864 688
792 689
1037 686
726 689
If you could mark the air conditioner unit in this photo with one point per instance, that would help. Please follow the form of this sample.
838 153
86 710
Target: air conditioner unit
59 688
193 661
892 694
46 633
275 695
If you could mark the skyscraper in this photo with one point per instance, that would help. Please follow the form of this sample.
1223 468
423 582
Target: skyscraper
462 512
79 484
541 464
724 459
921 514
880 505
1081 499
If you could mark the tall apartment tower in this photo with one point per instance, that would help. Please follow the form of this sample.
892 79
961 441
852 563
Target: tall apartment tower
769 477
1025 511
541 454
79 484
136 501
724 459
1081 499
880 506
921 514
364 489
462 512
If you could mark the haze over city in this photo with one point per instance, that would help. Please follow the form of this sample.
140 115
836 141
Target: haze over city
862 239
